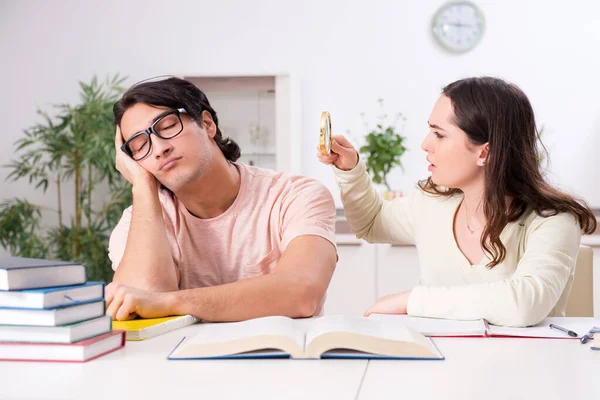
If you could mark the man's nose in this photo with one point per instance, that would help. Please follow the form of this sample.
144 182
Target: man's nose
160 146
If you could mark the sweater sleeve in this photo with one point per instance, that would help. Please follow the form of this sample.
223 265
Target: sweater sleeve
370 217
526 298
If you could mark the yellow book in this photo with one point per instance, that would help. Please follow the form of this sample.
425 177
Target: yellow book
144 328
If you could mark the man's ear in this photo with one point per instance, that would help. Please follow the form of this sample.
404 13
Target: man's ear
484 152
208 124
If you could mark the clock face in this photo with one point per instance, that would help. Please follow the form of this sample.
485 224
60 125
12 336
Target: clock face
458 26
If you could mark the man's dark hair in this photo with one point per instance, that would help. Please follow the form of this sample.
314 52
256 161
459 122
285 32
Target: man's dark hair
175 93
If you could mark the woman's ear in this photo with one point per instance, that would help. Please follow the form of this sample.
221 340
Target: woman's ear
484 152
208 124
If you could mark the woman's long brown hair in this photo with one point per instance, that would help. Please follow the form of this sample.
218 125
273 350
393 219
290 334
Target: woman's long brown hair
490 110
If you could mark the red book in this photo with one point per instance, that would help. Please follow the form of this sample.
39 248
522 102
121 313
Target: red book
54 352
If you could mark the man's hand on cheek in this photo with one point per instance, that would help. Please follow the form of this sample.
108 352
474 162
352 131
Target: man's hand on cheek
126 302
130 169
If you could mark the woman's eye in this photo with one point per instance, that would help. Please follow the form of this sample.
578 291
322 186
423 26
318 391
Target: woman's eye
438 135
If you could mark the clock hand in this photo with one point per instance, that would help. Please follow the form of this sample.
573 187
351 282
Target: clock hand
459 25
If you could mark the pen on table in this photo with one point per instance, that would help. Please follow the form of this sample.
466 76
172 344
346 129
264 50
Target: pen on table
565 330
588 335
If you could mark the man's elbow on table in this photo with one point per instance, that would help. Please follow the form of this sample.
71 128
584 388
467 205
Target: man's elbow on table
308 300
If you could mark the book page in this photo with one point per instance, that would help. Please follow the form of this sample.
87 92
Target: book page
390 329
436 326
581 326
266 326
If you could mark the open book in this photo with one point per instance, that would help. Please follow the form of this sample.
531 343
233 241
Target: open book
435 327
446 327
324 337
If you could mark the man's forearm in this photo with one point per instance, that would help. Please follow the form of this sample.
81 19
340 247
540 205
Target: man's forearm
273 294
147 262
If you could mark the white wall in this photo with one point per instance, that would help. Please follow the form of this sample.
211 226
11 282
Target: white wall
343 54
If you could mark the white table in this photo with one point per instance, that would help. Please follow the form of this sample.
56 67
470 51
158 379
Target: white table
475 368
141 371
491 368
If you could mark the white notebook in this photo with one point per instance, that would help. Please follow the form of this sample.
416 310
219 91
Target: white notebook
579 325
437 327
446 327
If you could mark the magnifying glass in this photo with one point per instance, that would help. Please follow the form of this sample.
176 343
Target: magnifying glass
325 134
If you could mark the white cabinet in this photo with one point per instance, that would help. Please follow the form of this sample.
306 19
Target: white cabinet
366 272
397 269
353 285
596 269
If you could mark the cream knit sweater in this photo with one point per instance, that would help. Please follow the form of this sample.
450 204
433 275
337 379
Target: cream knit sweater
532 282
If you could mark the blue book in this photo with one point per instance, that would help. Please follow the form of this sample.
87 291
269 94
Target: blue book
56 334
18 273
54 316
325 337
52 297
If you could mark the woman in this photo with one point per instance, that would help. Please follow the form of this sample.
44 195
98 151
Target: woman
494 239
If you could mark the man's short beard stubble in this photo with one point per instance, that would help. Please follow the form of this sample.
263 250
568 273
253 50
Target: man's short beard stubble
180 179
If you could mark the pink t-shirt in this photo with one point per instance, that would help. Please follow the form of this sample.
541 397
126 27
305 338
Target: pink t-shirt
271 209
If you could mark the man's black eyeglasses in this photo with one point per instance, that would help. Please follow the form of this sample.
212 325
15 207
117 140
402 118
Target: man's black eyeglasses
166 126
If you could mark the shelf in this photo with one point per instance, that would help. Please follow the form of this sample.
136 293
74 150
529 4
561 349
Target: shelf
261 116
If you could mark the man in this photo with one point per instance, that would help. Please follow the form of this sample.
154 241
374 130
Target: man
207 236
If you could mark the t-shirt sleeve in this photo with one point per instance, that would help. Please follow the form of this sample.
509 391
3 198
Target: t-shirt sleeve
118 239
307 209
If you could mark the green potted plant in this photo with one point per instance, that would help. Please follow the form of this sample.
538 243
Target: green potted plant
75 146
384 147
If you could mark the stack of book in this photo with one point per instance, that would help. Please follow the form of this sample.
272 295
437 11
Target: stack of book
49 312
